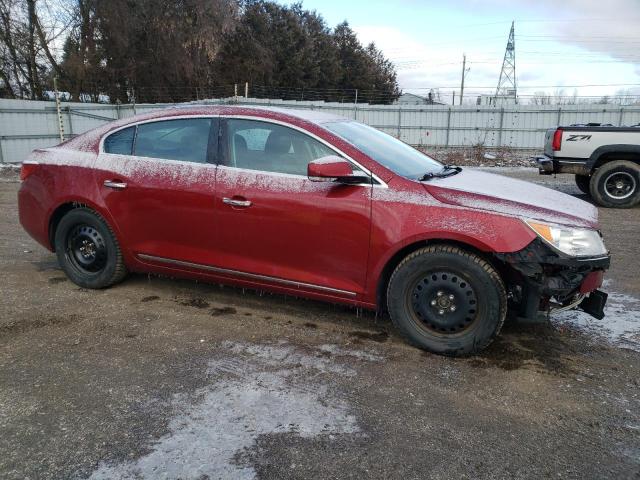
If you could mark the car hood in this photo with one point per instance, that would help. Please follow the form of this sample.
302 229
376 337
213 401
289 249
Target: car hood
508 196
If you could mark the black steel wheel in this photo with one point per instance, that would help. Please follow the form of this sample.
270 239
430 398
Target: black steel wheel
87 250
447 300
616 184
444 302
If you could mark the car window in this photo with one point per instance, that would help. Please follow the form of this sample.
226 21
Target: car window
120 142
268 147
182 139
397 156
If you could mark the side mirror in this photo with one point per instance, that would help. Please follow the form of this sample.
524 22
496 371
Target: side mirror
334 169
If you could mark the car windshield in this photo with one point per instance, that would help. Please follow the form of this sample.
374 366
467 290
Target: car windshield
388 151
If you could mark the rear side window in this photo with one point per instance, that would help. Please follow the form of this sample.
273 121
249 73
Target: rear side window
182 139
121 142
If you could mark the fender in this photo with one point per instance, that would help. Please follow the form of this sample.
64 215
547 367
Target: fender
485 240
624 149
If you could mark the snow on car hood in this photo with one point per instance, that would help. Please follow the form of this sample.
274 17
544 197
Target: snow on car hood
496 193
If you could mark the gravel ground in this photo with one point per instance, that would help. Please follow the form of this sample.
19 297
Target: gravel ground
160 378
480 156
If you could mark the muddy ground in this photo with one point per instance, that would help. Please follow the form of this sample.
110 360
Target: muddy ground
159 378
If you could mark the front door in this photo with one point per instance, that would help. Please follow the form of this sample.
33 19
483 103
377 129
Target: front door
158 182
274 222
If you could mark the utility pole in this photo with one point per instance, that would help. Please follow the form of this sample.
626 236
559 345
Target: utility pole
465 70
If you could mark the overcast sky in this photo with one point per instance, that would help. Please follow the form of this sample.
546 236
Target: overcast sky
559 44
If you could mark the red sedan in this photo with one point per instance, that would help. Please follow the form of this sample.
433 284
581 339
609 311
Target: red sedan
314 205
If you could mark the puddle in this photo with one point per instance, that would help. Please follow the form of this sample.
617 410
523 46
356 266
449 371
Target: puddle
194 302
56 280
216 312
45 265
541 351
38 322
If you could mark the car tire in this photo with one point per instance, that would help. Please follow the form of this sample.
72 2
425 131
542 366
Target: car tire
616 184
88 250
583 183
446 300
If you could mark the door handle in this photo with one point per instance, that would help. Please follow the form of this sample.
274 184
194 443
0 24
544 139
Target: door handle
236 203
115 184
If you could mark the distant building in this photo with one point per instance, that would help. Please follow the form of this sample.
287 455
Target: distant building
496 100
413 99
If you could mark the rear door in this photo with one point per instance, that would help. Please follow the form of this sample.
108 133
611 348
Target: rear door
276 223
158 182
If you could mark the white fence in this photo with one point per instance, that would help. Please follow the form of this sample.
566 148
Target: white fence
25 125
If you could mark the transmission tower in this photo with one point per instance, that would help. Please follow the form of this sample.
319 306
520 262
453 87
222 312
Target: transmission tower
507 84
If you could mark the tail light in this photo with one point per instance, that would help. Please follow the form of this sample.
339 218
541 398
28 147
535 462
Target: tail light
557 140
27 169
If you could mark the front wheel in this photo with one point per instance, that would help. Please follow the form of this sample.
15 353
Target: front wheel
88 251
446 300
616 184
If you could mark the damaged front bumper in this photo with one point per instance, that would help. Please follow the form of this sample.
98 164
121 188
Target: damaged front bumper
541 280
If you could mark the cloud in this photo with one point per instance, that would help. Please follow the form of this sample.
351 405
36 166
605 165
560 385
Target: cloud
610 27
575 42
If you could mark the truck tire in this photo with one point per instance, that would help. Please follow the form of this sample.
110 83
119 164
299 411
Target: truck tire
447 300
616 184
583 183
88 250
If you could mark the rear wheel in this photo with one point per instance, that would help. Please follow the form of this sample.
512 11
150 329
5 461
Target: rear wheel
447 300
616 184
87 250
583 181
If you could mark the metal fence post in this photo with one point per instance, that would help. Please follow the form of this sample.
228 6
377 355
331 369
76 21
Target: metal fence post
621 116
399 122
1 156
448 126
355 107
70 122
60 121
501 127
559 116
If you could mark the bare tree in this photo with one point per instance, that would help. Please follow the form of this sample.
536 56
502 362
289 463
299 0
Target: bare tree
28 30
540 98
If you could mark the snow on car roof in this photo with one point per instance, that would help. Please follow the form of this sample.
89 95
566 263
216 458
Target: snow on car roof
88 141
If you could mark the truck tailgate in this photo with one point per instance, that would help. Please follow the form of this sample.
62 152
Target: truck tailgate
548 141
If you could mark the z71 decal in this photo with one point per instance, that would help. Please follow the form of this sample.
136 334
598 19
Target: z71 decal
578 138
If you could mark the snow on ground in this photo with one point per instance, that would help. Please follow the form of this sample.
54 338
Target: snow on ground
255 390
620 326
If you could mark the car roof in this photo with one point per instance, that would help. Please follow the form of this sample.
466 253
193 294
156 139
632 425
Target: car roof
90 140
308 114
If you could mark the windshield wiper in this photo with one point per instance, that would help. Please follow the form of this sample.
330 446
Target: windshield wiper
447 171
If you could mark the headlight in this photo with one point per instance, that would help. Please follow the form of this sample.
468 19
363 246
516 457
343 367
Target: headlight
576 242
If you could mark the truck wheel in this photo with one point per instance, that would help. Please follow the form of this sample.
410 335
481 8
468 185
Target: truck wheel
616 184
446 300
583 181
88 251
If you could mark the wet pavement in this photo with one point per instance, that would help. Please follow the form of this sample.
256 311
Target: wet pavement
162 378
